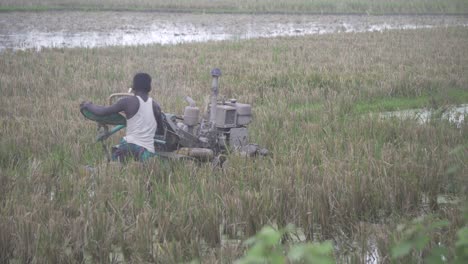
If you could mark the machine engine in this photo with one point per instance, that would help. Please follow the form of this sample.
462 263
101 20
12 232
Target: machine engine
223 128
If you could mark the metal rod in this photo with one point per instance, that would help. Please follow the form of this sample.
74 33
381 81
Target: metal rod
215 73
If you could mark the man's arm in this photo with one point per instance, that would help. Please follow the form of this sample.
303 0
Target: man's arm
157 115
98 110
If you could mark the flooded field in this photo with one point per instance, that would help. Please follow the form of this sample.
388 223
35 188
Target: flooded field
455 115
37 30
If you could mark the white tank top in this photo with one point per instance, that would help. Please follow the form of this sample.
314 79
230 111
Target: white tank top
141 128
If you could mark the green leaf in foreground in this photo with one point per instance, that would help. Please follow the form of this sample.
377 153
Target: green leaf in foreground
265 247
402 249
312 253
462 246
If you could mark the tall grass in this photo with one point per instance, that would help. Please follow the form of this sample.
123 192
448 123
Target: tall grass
243 6
333 172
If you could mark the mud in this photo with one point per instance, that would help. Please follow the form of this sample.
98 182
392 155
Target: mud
37 30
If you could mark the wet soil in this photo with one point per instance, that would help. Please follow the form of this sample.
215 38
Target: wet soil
37 30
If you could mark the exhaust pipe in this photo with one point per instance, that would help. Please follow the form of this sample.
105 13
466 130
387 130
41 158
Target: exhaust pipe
215 73
190 101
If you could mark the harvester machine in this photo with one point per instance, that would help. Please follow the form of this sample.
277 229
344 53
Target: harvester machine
222 130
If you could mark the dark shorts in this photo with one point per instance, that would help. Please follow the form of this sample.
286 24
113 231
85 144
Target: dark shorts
129 151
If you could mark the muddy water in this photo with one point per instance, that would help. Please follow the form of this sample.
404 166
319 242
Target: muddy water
454 114
37 30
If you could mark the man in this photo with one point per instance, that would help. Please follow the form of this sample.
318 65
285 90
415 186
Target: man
143 118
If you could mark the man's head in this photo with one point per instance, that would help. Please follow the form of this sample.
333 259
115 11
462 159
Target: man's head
142 82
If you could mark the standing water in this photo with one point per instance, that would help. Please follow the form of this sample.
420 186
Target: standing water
37 30
454 114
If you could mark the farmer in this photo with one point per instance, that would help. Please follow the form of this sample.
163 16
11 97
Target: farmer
143 118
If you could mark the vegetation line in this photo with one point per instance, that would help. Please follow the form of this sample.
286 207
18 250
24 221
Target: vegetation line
364 7
6 9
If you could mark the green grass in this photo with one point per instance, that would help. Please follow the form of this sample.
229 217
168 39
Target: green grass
332 173
453 97
247 6
392 104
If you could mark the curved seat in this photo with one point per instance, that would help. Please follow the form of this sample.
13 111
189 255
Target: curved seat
114 119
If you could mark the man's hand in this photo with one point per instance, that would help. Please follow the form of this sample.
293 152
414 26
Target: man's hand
85 104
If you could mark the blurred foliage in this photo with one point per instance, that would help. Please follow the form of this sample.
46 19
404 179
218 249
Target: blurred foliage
419 236
266 247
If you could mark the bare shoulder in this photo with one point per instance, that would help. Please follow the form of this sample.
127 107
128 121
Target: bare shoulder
129 105
129 99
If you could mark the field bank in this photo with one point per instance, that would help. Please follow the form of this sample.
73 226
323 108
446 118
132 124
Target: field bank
247 6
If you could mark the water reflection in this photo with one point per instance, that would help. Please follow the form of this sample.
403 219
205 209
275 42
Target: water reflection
28 30
455 115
